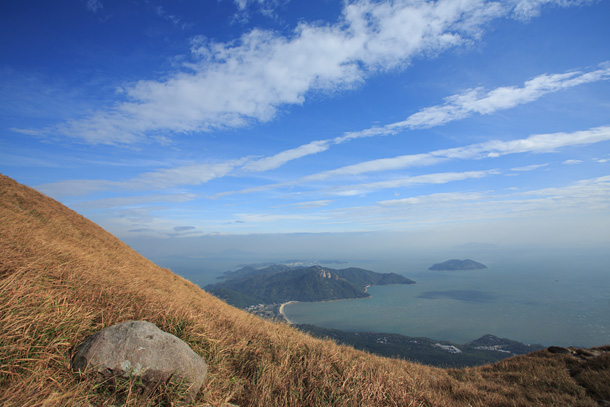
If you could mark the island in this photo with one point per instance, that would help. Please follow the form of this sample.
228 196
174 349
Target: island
277 284
455 264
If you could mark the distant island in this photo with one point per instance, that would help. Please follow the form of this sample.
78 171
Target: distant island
455 264
277 284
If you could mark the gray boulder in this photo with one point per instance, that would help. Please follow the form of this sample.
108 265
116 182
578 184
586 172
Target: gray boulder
139 348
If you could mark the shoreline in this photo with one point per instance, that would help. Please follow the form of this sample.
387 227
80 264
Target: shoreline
283 313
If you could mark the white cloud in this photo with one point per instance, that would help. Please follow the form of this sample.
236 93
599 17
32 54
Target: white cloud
496 99
275 161
443 197
383 164
186 175
311 204
538 143
477 101
571 162
529 167
438 178
231 84
526 9
27 132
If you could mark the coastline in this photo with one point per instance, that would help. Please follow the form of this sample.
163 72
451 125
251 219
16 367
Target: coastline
283 313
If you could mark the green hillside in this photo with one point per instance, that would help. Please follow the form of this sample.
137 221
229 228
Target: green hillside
278 284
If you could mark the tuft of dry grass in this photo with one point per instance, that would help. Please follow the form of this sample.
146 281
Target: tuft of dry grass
63 278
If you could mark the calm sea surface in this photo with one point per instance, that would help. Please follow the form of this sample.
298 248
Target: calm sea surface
564 302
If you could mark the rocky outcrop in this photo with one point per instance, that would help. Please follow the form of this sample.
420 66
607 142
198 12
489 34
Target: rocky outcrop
139 348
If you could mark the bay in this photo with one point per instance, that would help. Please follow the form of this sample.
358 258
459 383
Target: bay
564 301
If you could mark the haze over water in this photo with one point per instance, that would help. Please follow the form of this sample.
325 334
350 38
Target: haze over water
535 295
564 301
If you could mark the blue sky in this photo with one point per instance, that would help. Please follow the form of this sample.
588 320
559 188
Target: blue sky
202 118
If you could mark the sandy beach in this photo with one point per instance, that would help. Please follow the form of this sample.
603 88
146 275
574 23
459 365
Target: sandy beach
283 313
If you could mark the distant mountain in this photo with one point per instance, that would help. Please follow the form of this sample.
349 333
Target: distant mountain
280 283
455 264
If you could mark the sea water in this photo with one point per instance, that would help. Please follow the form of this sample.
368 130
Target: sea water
558 298
564 301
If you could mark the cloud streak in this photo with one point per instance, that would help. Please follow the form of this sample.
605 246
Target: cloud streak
477 101
538 143
438 178
199 174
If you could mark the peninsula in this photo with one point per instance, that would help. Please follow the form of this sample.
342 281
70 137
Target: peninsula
278 284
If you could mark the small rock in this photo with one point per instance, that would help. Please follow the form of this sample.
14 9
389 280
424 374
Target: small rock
139 348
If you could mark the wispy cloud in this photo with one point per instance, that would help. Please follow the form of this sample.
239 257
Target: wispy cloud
455 107
590 195
94 5
437 178
161 12
529 167
231 84
196 174
277 160
126 201
538 143
477 101
310 204
572 162
265 7
443 197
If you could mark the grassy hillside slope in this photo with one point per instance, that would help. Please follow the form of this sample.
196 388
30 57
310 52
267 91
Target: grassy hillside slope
63 278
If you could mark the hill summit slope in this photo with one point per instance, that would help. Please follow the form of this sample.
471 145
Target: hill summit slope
63 278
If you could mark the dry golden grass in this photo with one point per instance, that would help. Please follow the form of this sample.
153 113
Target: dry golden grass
63 278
